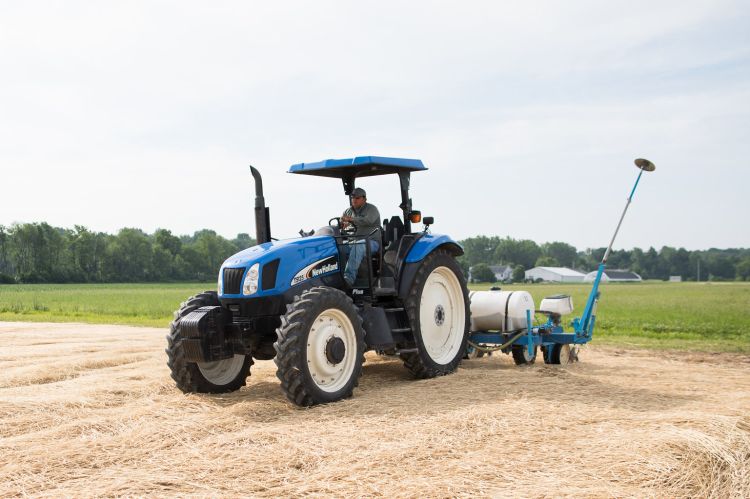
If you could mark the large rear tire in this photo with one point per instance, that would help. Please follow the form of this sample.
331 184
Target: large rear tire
220 376
320 347
439 316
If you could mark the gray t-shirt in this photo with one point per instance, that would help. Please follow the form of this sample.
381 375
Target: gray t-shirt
367 218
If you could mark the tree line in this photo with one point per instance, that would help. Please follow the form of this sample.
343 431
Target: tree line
41 253
523 254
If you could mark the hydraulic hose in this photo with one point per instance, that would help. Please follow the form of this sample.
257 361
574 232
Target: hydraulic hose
504 345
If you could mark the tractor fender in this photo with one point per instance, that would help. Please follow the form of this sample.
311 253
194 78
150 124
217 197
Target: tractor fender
429 243
412 262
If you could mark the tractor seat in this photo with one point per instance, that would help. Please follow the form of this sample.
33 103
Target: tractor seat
393 231
390 257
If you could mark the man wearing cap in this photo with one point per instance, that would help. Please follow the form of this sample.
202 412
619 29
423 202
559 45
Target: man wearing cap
366 218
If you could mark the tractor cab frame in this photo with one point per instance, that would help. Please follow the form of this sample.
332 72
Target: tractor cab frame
396 236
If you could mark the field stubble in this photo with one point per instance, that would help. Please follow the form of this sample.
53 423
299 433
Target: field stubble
90 410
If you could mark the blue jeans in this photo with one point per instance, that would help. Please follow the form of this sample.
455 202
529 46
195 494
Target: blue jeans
357 253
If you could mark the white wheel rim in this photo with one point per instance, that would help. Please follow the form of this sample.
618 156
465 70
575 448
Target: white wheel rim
222 372
442 316
327 326
564 355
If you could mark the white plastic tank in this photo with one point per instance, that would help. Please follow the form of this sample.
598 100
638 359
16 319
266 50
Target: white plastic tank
499 310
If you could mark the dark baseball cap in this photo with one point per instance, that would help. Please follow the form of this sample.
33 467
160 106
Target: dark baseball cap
359 192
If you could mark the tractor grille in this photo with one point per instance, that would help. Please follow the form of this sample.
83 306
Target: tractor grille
233 281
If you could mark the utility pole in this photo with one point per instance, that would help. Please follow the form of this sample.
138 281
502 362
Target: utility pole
698 279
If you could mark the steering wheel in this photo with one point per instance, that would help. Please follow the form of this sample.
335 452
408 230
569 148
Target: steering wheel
349 230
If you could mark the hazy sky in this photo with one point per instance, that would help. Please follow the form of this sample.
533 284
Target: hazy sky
528 114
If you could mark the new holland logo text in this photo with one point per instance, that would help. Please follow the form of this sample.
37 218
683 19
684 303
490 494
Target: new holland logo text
316 269
325 269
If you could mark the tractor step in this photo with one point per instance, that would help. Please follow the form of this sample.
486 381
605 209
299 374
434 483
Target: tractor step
384 291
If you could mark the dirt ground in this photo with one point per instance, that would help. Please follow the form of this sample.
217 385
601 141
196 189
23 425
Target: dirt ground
90 410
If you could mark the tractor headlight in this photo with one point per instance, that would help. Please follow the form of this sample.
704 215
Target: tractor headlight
250 285
219 285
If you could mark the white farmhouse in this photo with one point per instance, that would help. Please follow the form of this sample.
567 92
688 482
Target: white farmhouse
502 273
554 274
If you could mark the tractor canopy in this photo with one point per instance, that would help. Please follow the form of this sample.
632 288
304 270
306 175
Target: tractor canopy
361 166
349 169
364 166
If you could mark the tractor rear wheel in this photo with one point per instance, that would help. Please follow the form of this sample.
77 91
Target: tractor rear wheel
439 315
320 347
219 376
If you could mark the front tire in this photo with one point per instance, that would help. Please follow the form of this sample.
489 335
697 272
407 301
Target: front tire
219 376
439 316
320 347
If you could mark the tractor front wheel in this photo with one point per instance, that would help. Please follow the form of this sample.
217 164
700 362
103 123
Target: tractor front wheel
320 347
438 311
219 376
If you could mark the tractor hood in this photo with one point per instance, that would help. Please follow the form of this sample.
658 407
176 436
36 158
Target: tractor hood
280 265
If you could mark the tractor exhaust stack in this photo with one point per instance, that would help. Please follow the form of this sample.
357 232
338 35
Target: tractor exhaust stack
262 214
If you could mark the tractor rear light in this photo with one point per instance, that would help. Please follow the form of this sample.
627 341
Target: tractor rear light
250 285
415 217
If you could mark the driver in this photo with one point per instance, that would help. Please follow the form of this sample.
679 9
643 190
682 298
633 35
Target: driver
366 218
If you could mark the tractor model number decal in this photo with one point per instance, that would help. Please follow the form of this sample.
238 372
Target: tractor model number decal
324 266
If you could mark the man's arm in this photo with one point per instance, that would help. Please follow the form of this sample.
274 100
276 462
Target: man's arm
370 217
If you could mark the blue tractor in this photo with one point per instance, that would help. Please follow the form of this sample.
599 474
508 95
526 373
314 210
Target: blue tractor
287 300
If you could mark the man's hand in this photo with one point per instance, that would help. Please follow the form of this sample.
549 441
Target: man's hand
346 219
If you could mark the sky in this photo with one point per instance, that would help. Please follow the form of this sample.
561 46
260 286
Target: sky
527 114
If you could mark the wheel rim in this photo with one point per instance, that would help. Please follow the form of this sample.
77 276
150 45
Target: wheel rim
442 315
329 331
222 372
564 355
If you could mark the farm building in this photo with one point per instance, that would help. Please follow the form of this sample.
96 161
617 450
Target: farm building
502 272
614 276
554 274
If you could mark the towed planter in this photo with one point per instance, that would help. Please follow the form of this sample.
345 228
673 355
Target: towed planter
502 320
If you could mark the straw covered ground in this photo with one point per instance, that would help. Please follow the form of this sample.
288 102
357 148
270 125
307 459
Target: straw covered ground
90 410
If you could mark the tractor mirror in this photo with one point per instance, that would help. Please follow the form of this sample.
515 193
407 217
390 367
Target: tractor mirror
429 220
415 217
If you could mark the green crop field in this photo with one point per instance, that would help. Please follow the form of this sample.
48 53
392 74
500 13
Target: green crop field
694 316
133 304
